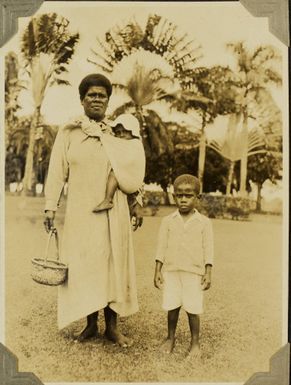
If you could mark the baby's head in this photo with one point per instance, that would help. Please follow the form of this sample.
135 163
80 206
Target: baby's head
126 126
186 192
121 132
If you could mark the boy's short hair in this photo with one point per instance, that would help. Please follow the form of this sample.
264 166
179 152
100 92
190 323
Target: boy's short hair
189 179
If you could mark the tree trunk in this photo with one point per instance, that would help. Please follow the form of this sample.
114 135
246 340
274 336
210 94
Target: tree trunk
230 177
259 197
202 154
29 169
167 198
244 158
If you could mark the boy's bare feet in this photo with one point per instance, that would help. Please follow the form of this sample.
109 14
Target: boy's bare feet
104 205
87 333
194 351
168 345
118 338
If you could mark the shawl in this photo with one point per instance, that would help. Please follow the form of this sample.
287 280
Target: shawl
127 157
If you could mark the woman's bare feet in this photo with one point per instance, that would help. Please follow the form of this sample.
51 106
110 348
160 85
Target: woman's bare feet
104 205
87 333
168 345
118 338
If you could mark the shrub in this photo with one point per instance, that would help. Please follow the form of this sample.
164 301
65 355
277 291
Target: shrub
212 205
152 201
221 206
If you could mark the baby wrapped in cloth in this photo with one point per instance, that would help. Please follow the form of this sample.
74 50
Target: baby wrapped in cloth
126 154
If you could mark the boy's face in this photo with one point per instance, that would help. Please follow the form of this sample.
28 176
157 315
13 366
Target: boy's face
185 198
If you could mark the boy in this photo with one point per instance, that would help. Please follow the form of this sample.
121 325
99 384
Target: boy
185 251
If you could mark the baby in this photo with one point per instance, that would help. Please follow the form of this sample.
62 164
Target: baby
124 147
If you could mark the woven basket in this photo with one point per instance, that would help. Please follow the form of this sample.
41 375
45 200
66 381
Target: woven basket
47 271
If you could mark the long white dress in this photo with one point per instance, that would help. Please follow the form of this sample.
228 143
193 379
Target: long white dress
97 246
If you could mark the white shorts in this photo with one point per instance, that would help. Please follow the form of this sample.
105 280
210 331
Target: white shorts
182 289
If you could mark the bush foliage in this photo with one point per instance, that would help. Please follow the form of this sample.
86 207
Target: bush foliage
222 206
213 206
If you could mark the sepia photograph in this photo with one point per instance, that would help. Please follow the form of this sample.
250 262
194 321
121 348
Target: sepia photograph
144 192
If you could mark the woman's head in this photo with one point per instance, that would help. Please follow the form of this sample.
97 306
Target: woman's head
94 80
95 90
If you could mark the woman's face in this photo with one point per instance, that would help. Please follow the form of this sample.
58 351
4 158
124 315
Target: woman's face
95 102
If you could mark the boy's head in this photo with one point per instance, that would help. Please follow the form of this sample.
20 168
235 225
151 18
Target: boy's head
186 192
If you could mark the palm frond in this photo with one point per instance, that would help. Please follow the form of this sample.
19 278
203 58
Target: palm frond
159 37
126 107
99 65
104 59
119 86
152 22
65 52
105 48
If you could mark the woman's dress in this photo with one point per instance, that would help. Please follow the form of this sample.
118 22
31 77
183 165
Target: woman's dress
97 246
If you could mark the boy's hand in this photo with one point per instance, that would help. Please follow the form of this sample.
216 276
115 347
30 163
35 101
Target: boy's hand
158 280
206 281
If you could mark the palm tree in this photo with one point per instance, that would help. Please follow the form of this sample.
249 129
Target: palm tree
209 96
230 145
174 57
47 47
13 86
255 71
159 36
139 92
188 100
44 139
263 137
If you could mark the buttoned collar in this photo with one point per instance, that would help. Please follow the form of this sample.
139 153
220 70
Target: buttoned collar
195 215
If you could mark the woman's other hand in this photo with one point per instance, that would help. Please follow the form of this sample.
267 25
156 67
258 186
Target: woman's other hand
49 220
136 216
158 279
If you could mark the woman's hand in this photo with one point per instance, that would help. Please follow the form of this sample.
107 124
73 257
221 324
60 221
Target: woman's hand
136 216
158 278
49 220
206 281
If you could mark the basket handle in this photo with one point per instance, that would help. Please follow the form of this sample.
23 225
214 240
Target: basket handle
52 232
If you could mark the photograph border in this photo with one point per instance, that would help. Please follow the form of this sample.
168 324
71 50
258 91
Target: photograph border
277 12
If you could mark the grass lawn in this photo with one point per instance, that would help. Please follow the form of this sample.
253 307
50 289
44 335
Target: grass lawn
240 329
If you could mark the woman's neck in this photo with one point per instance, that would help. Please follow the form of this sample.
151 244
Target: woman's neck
96 119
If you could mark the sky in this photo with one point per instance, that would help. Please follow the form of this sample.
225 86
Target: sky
211 25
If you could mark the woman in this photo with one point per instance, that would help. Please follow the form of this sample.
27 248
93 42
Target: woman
96 246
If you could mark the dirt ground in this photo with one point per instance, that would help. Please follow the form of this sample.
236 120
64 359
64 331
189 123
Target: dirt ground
240 329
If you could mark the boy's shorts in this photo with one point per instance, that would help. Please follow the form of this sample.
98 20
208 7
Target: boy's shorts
182 289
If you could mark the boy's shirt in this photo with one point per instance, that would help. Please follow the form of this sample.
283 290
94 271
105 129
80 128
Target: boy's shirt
185 246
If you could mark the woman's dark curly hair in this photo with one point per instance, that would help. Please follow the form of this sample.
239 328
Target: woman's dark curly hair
94 80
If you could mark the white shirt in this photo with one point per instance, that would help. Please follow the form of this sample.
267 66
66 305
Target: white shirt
185 246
